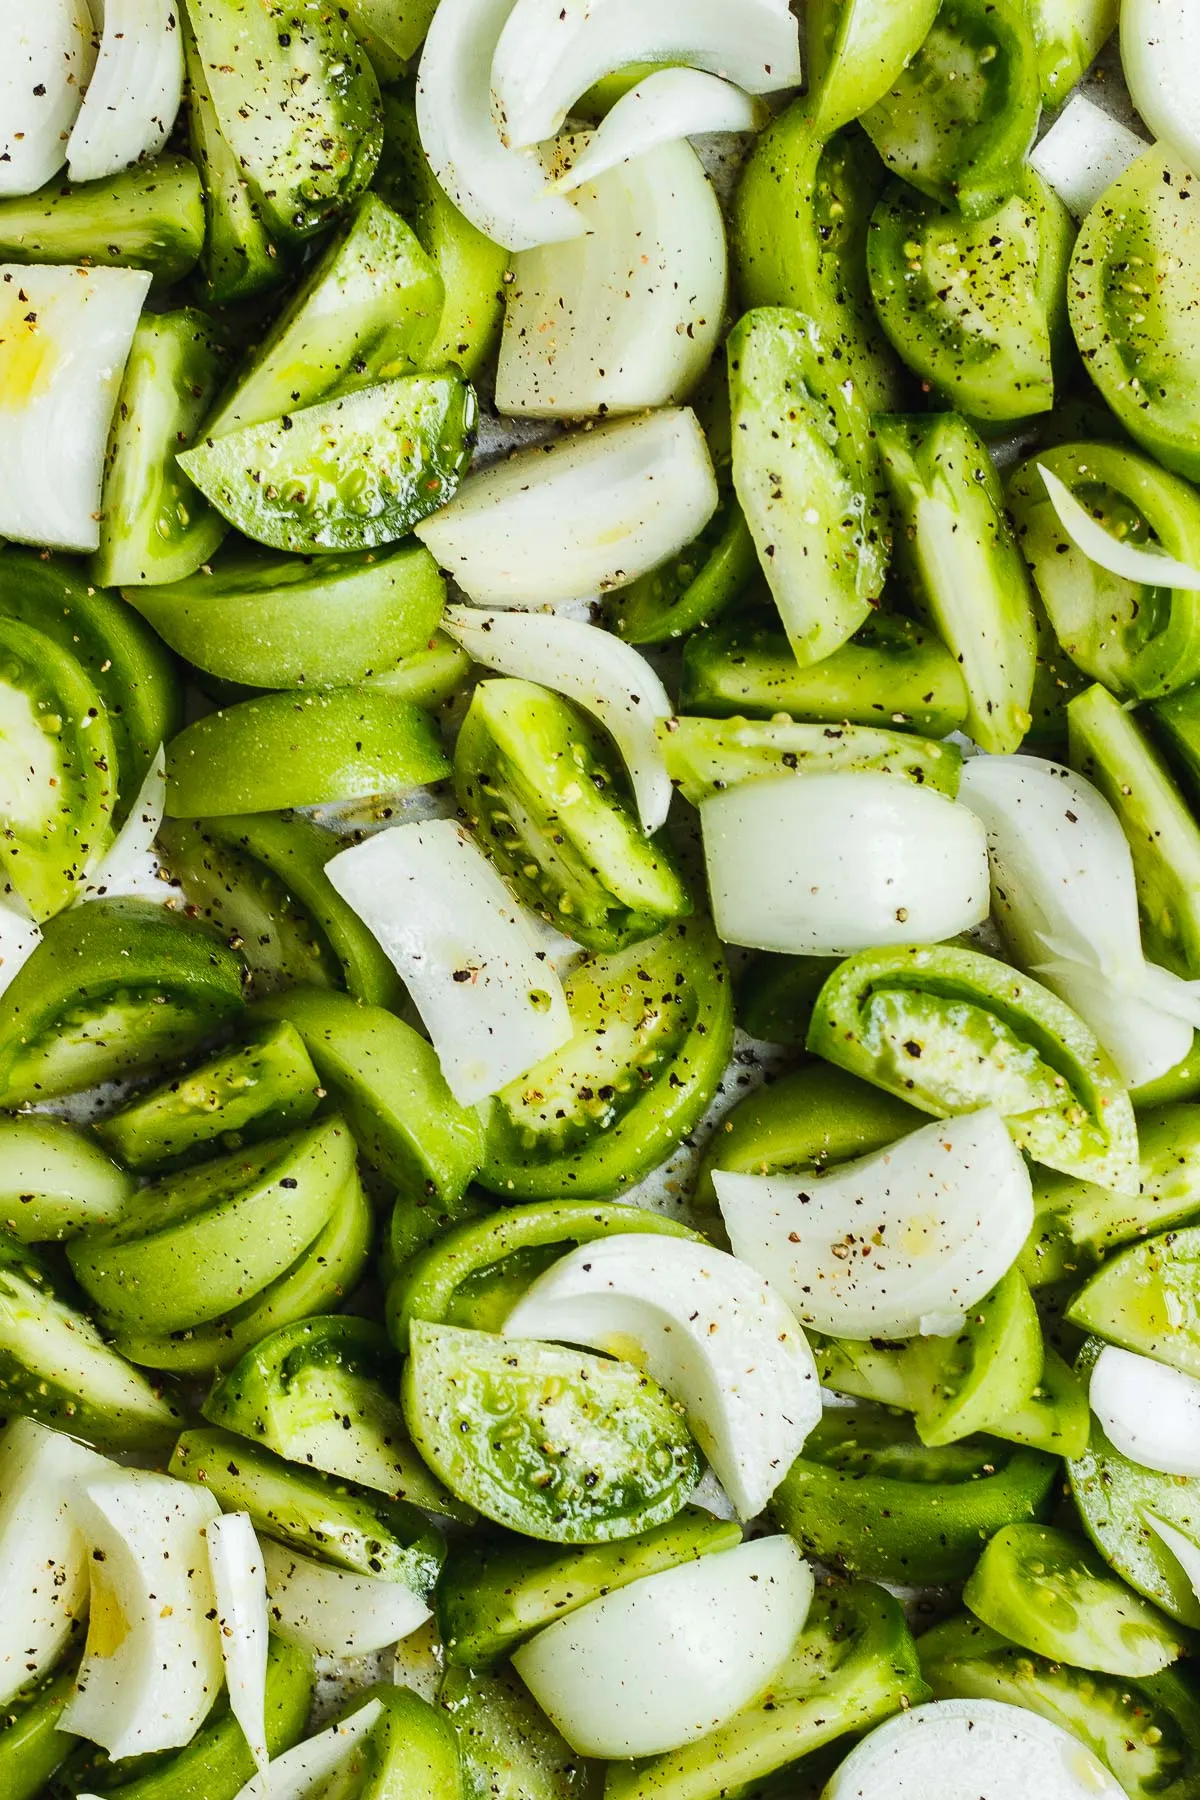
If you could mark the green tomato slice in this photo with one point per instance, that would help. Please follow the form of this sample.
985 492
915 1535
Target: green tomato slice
54 1181
509 1748
1147 1299
706 756
694 588
32 1747
150 216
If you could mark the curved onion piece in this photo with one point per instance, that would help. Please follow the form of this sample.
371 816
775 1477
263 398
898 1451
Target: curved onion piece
19 938
1133 562
491 1003
963 1749
134 94
42 1552
1160 55
666 106
1182 1548
64 339
128 866
1084 152
585 512
668 1658
503 192
841 862
944 1212
610 679
333 1612
627 317
152 1666
551 51
1143 1039
708 1330
240 1586
301 1771
1151 1413
46 56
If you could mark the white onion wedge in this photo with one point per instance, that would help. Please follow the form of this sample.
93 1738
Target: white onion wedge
19 938
333 1612
585 512
504 192
304 1770
239 1581
42 1551
46 56
841 862
1084 152
491 1003
666 106
152 1667
1133 562
135 90
708 1330
65 335
1150 1412
628 316
1160 56
608 678
894 1245
668 1658
128 866
551 51
1183 1548
971 1750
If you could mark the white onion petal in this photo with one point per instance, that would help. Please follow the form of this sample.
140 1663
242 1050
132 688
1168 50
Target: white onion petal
46 56
670 1657
608 678
303 1770
551 51
128 866
1160 56
1084 152
19 938
588 511
841 862
708 1330
666 106
239 1584
333 1612
1133 562
65 335
504 192
491 1004
895 1244
1150 1412
134 94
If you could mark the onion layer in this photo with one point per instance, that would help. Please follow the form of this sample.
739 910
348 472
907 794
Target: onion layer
134 94
128 866
301 1772
239 1584
1151 1413
666 106
1160 54
46 56
1084 152
333 1612
1138 563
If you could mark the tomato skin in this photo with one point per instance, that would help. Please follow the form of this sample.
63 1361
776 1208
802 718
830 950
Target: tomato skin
698 586
856 50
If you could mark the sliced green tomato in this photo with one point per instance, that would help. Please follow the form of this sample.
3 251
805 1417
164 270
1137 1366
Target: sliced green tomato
857 49
869 1496
1069 35
541 784
1147 1298
430 676
55 1366
952 1030
853 1665
1133 281
556 1444
418 1220
409 1753
892 672
54 1182
975 307
1056 1417
705 756
388 1082
283 750
1050 1593
257 1090
32 1747
495 1593
192 1246
391 31
58 771
148 217
1147 1732
509 1748
116 988
653 1033
1180 1083
694 588
960 120
275 621
1055 685
476 1273
776 995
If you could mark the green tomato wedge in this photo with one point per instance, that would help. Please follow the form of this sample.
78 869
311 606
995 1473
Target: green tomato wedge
32 1747
776 995
417 1220
148 217
652 1037
868 1496
279 621
951 1030
1147 1298
1056 1417
1133 280
388 1083
892 673
706 756
857 49
283 750
1180 1083
960 120
429 677
694 587
509 1748
345 474
557 1444
334 1521
54 1181
1069 35
1051 1593
409 1753
116 988
1147 1732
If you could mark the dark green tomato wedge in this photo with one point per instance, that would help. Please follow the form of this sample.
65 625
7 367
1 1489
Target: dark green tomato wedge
694 588
706 756
32 1747
55 1181
148 217
508 1747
